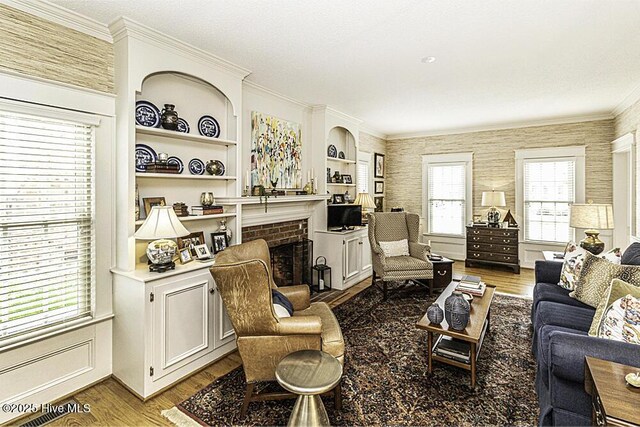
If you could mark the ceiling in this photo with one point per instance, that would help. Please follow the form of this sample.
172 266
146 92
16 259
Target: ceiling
497 61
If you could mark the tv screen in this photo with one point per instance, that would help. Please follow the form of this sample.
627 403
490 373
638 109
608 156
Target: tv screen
343 216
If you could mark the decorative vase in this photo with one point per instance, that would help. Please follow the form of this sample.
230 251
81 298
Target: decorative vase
206 199
213 167
223 227
435 314
169 117
456 311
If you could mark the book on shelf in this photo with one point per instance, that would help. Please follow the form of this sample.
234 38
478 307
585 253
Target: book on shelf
206 210
162 168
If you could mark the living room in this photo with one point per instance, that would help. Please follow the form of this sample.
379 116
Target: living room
355 213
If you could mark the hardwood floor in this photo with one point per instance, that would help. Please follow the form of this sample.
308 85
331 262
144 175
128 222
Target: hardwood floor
112 404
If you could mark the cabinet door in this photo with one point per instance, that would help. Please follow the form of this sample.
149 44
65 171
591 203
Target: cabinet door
182 322
223 328
365 252
351 264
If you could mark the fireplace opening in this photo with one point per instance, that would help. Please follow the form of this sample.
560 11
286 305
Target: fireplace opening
291 263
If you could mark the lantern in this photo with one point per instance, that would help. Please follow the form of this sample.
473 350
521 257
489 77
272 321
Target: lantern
321 275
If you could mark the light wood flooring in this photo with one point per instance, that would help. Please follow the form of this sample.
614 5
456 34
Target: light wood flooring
113 405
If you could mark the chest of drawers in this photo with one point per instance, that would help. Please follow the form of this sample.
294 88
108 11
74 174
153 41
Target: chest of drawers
497 246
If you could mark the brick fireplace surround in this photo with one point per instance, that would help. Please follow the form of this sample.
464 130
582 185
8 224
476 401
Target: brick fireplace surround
278 233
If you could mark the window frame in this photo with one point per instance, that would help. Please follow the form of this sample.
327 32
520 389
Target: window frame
575 153
366 158
447 159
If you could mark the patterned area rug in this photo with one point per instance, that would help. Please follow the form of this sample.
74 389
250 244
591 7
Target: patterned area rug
386 380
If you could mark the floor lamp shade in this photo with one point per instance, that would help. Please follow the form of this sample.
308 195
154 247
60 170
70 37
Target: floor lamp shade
161 225
593 218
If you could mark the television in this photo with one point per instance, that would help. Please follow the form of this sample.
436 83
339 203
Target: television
343 217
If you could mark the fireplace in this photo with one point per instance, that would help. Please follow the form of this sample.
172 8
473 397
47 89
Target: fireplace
291 250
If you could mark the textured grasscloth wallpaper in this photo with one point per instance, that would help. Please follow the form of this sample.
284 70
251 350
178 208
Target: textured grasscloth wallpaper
372 144
37 47
494 160
628 120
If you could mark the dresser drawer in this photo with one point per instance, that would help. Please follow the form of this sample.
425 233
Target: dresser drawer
442 275
494 240
492 232
491 256
495 248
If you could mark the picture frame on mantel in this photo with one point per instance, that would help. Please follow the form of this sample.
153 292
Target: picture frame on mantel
378 162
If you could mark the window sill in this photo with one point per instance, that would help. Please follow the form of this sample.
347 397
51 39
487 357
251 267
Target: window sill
451 236
13 343
543 243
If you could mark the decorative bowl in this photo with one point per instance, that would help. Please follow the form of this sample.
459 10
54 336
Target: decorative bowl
633 379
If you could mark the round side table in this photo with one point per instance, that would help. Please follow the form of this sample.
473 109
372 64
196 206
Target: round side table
309 373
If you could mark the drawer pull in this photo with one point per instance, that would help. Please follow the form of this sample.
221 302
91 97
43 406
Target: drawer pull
476 255
442 273
506 241
505 249
476 246
507 258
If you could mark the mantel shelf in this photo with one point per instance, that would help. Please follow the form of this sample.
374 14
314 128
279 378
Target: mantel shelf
164 133
335 159
183 176
255 200
338 184
198 217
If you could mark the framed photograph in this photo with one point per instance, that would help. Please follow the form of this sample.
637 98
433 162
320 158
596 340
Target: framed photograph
379 187
185 255
378 161
337 199
379 201
150 202
346 179
202 251
219 241
191 241
477 218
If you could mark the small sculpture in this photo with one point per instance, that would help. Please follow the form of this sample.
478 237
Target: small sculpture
456 311
169 117
435 314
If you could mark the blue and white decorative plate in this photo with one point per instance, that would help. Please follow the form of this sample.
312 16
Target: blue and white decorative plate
332 151
144 156
147 114
173 160
208 126
196 167
183 126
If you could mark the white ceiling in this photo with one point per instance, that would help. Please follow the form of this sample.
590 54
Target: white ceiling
498 61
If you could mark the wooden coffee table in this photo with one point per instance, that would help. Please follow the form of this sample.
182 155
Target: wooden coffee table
480 314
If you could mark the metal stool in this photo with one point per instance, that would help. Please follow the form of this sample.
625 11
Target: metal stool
309 373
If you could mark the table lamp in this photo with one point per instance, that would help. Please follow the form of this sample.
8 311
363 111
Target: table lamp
592 217
364 200
493 199
161 225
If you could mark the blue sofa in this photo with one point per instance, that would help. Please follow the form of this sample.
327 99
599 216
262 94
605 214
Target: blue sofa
561 342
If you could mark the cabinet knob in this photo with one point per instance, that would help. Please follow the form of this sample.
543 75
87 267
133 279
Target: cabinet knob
212 291
442 273
360 243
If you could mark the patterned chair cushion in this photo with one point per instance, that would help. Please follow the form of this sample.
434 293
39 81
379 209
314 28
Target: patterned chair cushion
391 226
404 263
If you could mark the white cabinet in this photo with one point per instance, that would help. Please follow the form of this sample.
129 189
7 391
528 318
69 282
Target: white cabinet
168 325
350 265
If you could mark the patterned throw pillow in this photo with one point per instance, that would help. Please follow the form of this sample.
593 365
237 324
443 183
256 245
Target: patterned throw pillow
617 290
621 321
395 248
614 256
571 270
596 276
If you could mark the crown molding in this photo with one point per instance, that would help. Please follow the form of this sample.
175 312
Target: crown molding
506 125
628 101
337 113
126 27
259 88
62 16
373 132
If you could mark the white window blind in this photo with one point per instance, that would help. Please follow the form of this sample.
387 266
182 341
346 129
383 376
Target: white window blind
549 190
447 198
362 175
46 223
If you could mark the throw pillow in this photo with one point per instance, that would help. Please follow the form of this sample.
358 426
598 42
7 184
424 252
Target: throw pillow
621 321
395 248
631 255
596 276
571 270
613 256
279 299
617 290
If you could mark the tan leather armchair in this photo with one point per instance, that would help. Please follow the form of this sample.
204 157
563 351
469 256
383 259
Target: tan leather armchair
394 226
243 276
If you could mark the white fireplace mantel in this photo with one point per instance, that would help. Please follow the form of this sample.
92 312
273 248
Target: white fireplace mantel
253 200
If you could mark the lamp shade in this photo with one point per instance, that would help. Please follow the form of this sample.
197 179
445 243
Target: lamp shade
365 200
591 216
493 198
162 223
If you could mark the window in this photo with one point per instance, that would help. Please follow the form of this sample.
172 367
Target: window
46 222
362 180
552 179
448 193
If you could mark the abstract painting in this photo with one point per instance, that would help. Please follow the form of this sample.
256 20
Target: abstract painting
276 150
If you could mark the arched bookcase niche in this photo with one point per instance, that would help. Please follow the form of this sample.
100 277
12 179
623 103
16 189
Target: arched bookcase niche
345 142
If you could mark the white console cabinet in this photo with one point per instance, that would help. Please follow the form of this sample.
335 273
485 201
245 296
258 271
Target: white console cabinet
348 253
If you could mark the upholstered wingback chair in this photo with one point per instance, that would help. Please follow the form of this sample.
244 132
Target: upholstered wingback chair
394 226
244 279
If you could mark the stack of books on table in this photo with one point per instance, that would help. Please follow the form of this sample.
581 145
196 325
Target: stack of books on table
206 210
453 348
471 285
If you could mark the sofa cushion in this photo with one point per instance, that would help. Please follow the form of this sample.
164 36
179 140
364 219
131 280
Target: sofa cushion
596 276
556 314
554 293
571 270
617 290
395 248
403 263
332 340
542 350
631 256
